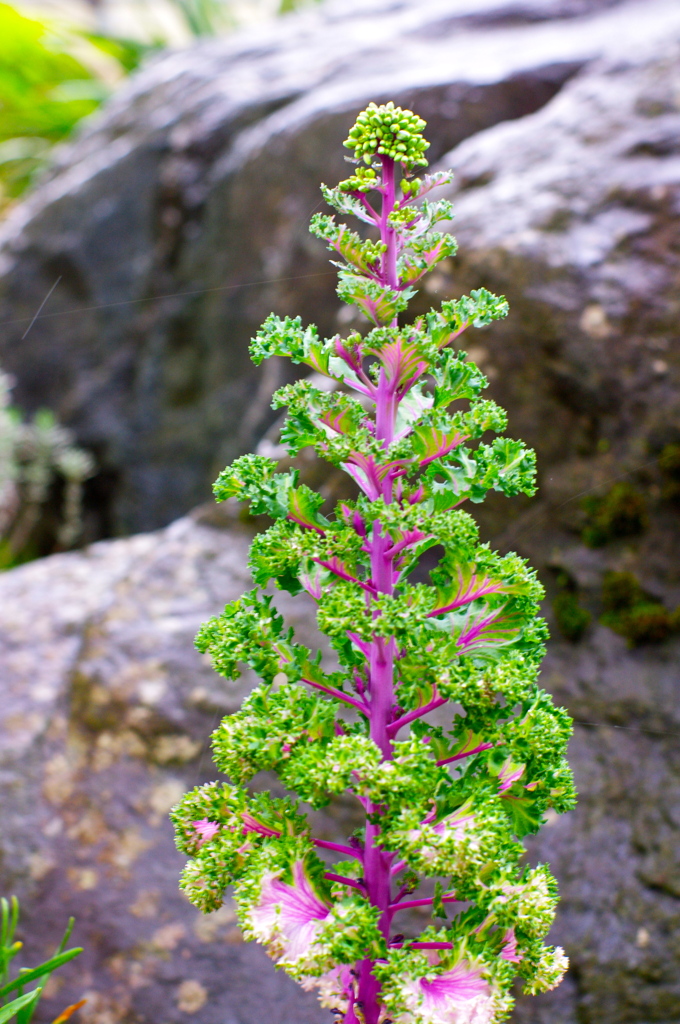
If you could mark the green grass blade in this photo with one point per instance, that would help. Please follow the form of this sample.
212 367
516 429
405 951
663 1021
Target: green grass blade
11 1010
67 935
38 972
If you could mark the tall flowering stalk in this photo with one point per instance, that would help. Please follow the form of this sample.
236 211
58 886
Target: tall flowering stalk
444 808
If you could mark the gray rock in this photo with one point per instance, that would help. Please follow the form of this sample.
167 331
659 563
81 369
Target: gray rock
178 219
573 212
107 710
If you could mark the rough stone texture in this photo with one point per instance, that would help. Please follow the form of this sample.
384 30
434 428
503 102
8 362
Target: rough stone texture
573 211
195 185
107 708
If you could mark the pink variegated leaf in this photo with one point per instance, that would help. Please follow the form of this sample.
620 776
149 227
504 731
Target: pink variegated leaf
287 916
363 470
470 743
509 774
401 360
470 586
303 508
338 568
206 830
405 539
378 302
509 948
425 254
485 628
430 443
251 824
312 578
341 421
393 468
411 407
457 996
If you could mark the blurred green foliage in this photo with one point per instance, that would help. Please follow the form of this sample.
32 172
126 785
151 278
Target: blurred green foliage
205 17
621 591
669 464
214 17
52 75
622 512
633 613
41 480
571 618
50 78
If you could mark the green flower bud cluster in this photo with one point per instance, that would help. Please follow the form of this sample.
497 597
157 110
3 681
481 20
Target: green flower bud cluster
387 130
363 180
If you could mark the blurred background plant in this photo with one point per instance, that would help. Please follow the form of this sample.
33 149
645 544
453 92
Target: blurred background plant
633 613
15 1004
41 479
59 59
571 617
621 512
51 76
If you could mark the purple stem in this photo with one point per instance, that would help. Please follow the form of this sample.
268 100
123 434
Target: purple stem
348 850
386 409
344 575
351 1015
381 652
467 597
420 903
387 234
436 702
338 694
466 753
343 881
421 945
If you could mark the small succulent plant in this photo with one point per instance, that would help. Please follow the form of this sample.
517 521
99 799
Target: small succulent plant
34 454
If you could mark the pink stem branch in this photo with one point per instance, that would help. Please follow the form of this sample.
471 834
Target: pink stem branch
465 753
306 526
344 575
361 196
338 694
344 881
421 945
339 848
436 702
420 903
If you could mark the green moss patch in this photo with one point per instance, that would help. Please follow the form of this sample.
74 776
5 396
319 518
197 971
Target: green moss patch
622 512
632 613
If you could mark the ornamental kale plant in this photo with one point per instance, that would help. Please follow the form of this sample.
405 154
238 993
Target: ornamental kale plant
444 807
